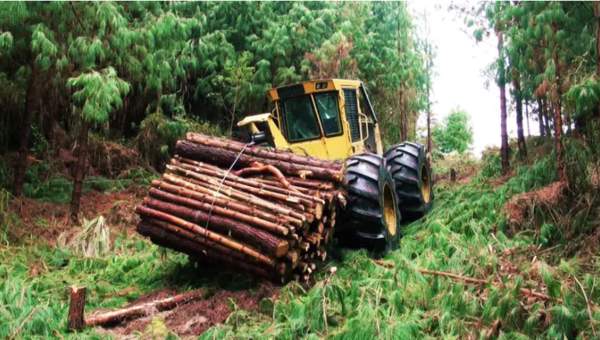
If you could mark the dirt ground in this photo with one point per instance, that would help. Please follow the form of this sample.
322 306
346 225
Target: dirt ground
519 207
193 318
46 221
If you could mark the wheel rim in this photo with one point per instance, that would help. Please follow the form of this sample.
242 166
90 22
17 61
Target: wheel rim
389 210
425 185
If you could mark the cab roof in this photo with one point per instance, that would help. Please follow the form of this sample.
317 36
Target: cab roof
311 86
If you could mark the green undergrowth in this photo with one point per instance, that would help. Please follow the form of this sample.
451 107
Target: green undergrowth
463 234
58 189
34 283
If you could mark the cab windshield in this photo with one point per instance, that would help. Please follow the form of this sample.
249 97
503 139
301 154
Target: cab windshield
300 119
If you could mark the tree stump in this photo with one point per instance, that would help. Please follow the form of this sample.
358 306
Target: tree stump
76 308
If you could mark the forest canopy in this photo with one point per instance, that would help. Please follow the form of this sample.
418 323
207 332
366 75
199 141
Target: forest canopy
211 62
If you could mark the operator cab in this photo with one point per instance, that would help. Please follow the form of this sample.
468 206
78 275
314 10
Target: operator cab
328 119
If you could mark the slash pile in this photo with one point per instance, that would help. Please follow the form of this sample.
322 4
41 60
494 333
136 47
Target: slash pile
266 212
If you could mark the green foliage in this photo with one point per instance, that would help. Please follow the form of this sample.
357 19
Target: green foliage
57 188
33 299
455 134
158 135
364 300
40 144
99 93
6 42
491 165
214 60
8 220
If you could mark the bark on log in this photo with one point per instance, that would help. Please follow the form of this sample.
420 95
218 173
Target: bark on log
144 309
254 224
226 158
213 253
260 152
231 192
235 183
308 183
226 226
152 213
202 194
76 308
271 186
198 244
235 215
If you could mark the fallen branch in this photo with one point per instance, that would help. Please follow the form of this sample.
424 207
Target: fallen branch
588 305
144 309
471 280
256 168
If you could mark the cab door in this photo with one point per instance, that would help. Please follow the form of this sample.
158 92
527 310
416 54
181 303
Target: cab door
301 127
330 118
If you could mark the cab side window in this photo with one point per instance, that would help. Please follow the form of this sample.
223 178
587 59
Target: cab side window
327 105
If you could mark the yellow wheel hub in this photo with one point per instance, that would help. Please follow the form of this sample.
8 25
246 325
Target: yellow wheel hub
389 210
425 185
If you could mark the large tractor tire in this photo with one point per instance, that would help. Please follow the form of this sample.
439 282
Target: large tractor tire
371 219
412 177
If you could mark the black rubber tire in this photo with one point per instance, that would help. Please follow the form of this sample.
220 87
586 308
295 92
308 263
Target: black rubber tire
411 173
366 179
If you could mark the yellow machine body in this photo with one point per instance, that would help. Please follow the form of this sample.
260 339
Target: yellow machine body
327 119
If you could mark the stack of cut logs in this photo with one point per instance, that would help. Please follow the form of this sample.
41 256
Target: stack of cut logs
266 212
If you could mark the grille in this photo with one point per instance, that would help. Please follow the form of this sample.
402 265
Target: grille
352 113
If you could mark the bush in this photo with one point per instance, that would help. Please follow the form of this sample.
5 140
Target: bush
455 134
158 135
491 165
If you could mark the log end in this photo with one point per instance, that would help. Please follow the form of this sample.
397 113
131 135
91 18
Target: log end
282 249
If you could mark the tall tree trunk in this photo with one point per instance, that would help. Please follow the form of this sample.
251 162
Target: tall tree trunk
428 130
28 114
519 109
546 117
403 119
560 162
597 15
527 117
541 117
504 152
80 169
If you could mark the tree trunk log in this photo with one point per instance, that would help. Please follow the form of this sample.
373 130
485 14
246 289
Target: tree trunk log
273 186
238 230
260 152
225 241
227 158
28 114
187 190
232 214
144 309
519 109
171 236
76 308
504 152
80 170
213 185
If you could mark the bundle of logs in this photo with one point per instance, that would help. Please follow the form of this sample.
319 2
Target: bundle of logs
266 212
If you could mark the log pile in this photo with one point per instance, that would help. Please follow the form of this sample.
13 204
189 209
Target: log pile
266 212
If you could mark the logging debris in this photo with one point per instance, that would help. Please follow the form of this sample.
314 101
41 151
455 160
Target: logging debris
266 212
